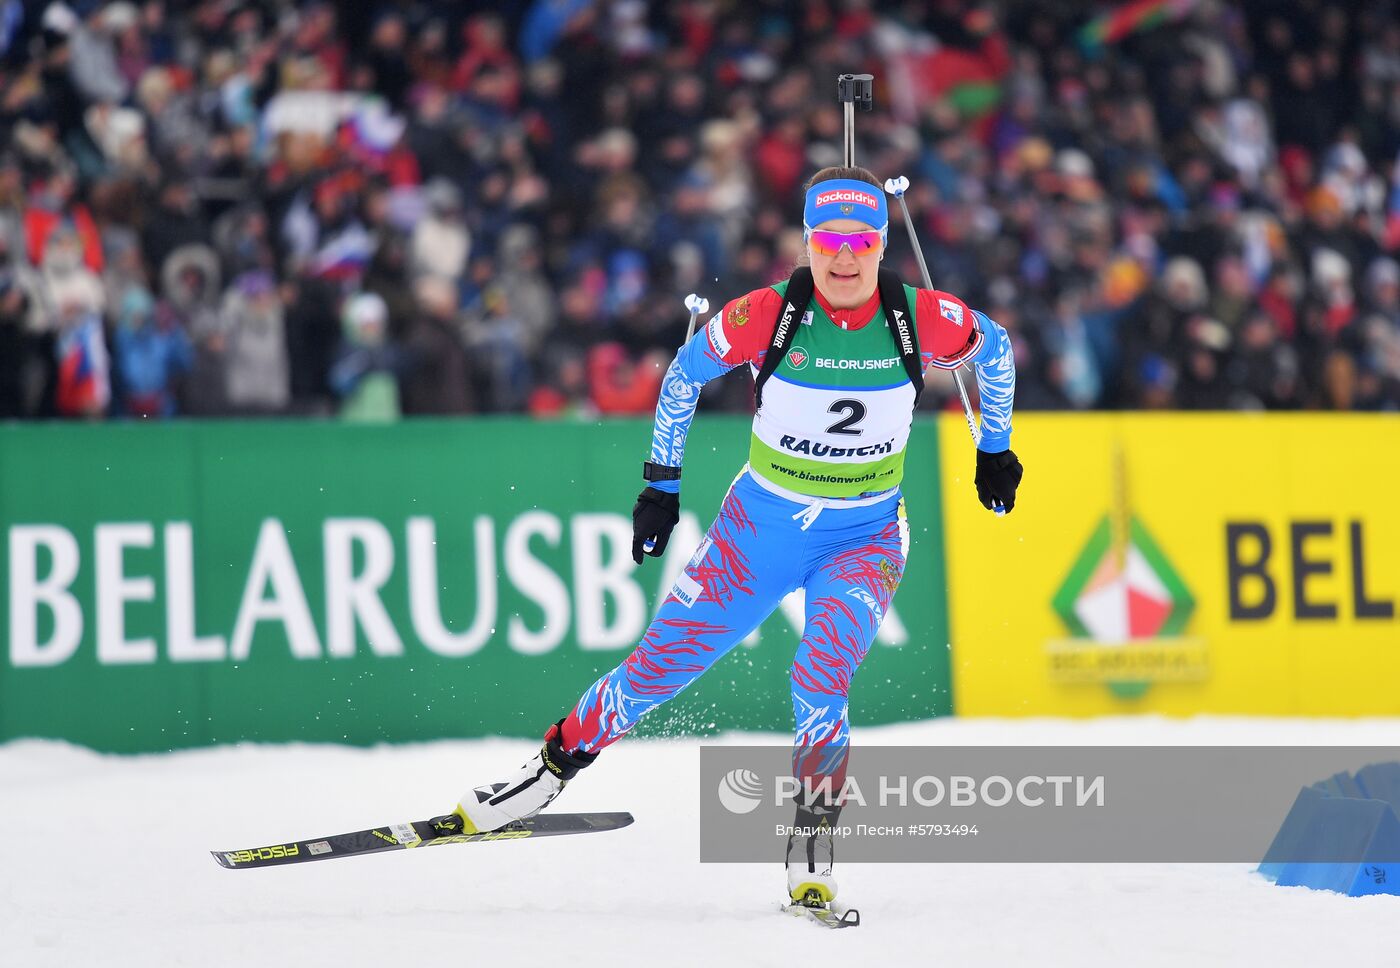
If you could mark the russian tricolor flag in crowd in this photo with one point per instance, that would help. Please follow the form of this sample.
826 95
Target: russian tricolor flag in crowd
84 386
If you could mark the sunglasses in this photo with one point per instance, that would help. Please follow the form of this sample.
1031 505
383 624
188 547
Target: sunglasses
829 243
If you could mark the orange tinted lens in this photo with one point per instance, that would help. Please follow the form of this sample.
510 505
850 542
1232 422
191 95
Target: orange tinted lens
829 243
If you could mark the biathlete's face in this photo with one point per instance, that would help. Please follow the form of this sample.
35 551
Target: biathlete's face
845 258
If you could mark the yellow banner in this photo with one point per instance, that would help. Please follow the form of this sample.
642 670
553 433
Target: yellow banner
1173 563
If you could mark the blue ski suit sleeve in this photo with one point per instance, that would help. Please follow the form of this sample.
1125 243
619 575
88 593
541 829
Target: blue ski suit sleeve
995 365
696 364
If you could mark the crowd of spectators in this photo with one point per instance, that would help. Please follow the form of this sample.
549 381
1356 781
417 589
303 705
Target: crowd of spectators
241 208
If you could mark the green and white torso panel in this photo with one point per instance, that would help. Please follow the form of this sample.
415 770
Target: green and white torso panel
836 412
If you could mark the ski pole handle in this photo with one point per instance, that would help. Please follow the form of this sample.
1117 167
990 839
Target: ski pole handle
697 304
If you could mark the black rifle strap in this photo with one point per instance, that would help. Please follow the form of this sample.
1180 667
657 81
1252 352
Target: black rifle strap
795 300
899 315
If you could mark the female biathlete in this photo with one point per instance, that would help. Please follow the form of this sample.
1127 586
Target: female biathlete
838 370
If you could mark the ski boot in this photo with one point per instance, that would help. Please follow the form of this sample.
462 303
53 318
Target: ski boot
525 792
810 856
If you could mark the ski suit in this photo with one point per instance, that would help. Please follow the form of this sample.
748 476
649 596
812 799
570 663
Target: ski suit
817 507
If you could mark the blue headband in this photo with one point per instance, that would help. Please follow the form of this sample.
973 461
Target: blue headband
845 198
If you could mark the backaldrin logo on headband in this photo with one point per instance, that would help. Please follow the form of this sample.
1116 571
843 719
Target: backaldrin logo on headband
848 195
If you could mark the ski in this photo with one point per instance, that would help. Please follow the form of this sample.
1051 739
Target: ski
419 833
824 914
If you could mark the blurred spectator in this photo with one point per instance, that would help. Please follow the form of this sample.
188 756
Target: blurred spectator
1339 381
440 240
564 389
94 64
150 356
1076 376
365 374
175 221
620 386
1380 331
1197 208
68 281
52 208
17 350
312 324
250 346
438 382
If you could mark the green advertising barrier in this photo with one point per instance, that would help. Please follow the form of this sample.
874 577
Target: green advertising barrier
184 584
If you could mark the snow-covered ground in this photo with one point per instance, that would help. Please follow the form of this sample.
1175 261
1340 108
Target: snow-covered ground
105 863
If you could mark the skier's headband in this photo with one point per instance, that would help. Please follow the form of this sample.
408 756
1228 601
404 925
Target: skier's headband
845 198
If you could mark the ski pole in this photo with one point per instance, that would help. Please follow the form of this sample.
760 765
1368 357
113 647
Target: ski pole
897 187
698 305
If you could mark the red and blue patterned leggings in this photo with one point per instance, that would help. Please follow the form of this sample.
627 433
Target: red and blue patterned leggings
761 547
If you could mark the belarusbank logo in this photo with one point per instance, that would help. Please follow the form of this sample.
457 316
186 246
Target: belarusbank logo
1126 610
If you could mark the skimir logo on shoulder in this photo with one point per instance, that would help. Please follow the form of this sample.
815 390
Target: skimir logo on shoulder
1126 608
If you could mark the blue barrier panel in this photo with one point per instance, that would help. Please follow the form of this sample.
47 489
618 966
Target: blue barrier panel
1342 834
1381 781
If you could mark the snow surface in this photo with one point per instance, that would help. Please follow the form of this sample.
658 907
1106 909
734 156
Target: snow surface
106 864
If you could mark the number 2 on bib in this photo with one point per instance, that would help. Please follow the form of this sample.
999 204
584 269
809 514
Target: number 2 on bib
854 412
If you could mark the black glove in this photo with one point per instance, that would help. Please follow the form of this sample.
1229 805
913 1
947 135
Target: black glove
998 476
653 517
